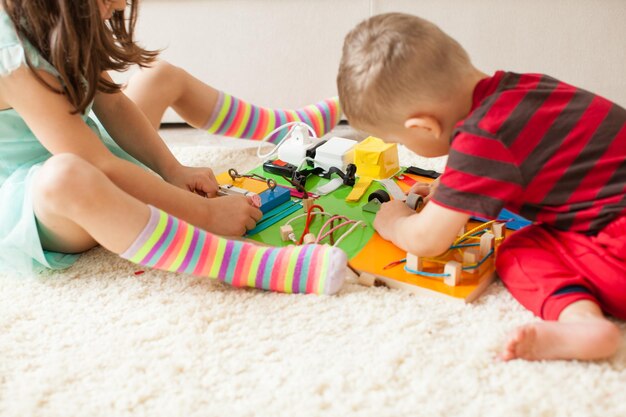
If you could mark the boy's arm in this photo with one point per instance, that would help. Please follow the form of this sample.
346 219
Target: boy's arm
428 233
48 115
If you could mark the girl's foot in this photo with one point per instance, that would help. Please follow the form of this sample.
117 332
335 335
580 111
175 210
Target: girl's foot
170 244
237 118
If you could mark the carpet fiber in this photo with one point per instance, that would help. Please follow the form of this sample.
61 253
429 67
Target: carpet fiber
97 340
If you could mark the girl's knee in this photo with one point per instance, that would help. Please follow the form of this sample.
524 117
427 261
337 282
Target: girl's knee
161 78
162 71
63 178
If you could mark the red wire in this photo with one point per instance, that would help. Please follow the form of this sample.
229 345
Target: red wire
308 221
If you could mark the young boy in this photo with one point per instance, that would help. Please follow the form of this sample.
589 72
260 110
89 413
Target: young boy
549 151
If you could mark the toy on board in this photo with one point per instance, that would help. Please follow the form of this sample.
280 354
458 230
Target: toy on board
298 177
272 199
336 152
266 200
299 149
376 159
414 201
422 172
326 231
375 200
293 149
469 254
462 255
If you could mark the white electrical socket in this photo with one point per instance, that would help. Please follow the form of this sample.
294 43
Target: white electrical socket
293 149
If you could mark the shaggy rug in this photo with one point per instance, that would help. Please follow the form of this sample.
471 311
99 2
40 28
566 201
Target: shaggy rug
96 340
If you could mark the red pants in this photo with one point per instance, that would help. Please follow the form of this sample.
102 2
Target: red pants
547 270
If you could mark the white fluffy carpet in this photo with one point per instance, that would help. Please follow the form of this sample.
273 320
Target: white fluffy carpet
97 340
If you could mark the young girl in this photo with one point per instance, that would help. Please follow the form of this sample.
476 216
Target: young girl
66 186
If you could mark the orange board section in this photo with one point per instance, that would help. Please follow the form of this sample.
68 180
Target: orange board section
379 253
250 184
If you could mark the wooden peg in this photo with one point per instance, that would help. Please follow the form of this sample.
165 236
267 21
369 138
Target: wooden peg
486 244
499 230
307 203
414 262
285 231
309 238
470 258
453 269
462 231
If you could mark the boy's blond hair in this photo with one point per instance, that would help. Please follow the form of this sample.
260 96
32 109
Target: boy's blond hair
391 59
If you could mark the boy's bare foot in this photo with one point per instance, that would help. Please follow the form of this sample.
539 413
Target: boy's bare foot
584 340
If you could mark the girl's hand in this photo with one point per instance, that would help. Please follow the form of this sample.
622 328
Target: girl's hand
388 217
231 215
424 189
198 180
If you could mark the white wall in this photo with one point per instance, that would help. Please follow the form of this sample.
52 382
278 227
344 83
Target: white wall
286 52
582 42
281 53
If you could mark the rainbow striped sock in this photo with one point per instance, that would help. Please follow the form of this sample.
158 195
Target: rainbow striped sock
237 118
171 244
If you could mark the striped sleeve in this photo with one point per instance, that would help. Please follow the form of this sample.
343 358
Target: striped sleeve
481 177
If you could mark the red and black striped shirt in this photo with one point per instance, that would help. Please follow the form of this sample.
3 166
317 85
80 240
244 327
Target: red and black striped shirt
553 153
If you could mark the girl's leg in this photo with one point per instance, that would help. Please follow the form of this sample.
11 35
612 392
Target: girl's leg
77 206
164 85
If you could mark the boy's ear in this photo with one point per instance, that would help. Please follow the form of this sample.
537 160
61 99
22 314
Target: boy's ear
427 123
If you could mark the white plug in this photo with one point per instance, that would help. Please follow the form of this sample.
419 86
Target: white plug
293 149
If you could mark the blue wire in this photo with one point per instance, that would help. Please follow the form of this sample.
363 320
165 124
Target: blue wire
482 261
432 274
426 274
464 246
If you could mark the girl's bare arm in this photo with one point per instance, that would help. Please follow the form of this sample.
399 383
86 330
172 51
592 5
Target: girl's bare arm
49 117
131 129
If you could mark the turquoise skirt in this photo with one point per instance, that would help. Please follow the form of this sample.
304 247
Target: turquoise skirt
21 156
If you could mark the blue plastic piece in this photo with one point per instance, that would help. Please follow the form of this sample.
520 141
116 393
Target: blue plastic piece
515 221
270 199
274 216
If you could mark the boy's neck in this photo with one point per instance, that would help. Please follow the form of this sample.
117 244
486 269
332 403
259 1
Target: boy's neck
464 100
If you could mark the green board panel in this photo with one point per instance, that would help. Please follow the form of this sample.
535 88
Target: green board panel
334 203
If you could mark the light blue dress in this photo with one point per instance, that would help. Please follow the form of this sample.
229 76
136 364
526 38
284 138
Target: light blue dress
21 155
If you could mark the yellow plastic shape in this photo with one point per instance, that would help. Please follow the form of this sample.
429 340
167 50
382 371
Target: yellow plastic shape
376 159
359 189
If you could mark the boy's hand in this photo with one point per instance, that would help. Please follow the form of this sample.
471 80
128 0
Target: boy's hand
198 180
428 233
425 189
388 217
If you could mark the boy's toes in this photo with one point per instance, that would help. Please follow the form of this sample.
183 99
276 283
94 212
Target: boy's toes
508 352
520 343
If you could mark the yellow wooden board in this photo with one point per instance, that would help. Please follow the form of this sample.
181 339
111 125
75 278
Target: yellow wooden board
250 184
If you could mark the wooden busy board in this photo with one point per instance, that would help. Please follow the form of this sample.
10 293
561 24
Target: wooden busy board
367 252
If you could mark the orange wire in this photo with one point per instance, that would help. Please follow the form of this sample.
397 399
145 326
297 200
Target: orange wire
309 219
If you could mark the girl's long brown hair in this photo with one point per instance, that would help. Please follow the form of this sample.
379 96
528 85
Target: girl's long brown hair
72 36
